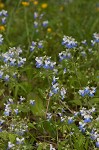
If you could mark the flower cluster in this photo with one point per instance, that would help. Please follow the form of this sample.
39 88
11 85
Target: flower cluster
60 115
10 60
55 88
3 16
35 45
16 126
6 73
62 92
19 128
85 118
45 62
7 110
69 42
19 141
90 91
87 114
8 107
12 57
39 22
1 39
10 110
95 39
64 55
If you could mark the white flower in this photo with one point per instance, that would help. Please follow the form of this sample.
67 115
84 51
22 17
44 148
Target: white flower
10 145
19 141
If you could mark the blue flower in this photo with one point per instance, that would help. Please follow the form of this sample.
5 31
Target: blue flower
40 44
32 102
96 37
1 39
93 134
39 62
82 126
1 122
87 118
69 42
84 42
16 111
32 48
4 13
97 144
70 120
62 93
86 90
46 66
64 55
19 141
6 78
54 80
35 15
82 129
6 113
82 93
3 20
45 23
1 74
10 145
35 24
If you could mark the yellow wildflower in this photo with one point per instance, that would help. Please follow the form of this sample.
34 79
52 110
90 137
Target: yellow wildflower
35 2
97 9
49 29
2 28
1 5
61 8
25 3
44 5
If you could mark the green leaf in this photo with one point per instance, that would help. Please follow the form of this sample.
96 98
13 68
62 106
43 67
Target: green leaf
22 88
94 100
42 146
12 137
31 125
38 109
1 91
86 144
77 102
16 90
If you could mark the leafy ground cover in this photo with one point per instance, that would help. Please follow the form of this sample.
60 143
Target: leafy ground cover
49 75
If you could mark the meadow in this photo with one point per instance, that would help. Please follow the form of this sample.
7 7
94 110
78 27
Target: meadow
49 75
